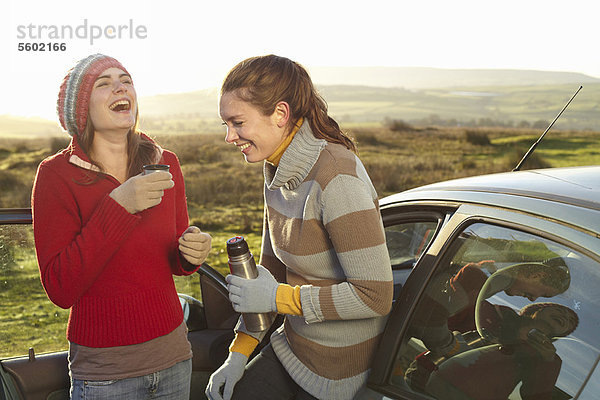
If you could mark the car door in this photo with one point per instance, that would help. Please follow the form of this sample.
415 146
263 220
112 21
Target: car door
33 349
501 305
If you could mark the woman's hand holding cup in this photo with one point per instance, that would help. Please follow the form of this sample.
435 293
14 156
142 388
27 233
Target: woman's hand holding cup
142 191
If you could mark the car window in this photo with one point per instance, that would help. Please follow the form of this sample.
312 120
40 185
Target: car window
27 317
406 242
507 314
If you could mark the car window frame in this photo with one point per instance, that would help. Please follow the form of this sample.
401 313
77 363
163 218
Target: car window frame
15 216
420 216
425 268
595 372
24 216
402 213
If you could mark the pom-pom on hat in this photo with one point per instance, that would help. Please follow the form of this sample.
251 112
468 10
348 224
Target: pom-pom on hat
74 95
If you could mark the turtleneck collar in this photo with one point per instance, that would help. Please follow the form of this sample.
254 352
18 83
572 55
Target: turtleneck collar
296 161
276 156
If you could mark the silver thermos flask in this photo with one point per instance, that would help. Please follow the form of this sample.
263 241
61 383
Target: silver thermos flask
241 263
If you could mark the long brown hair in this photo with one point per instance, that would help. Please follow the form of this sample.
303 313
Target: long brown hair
266 80
140 150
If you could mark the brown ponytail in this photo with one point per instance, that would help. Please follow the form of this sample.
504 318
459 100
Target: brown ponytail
266 80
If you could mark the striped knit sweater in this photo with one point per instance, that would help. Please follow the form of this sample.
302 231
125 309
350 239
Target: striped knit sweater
323 231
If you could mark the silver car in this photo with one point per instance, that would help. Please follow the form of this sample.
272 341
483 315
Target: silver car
497 283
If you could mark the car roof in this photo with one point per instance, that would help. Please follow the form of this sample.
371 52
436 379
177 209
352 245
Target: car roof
571 194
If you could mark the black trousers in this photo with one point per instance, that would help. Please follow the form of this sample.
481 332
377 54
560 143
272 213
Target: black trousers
266 379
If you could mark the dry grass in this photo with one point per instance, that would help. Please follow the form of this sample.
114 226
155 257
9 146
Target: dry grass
217 176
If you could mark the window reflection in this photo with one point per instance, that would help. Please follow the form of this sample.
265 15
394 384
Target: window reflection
406 242
505 316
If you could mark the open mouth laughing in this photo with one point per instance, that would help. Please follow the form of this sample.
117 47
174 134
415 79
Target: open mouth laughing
120 105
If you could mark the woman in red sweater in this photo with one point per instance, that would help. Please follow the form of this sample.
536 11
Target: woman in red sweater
109 239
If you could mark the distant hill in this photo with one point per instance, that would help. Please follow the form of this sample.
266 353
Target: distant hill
201 103
356 104
372 94
13 126
426 78
466 104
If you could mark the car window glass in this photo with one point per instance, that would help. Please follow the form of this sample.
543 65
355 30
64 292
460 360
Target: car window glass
406 241
507 314
27 317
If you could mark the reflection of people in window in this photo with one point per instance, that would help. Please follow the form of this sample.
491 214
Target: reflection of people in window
449 302
505 326
556 320
530 357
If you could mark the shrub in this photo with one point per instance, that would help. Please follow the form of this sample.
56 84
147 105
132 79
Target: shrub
14 191
4 153
468 164
398 125
367 139
58 143
8 181
540 124
477 138
534 160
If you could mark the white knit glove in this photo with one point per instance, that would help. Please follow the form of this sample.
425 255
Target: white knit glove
253 295
226 377
194 245
142 191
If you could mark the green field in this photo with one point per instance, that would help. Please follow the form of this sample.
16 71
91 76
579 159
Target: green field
224 207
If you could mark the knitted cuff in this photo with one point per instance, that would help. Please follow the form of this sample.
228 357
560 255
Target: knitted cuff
243 343
114 221
310 304
288 300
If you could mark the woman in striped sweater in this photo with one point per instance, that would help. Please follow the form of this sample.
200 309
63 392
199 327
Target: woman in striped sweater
324 263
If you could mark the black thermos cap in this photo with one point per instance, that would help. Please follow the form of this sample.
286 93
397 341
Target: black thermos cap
236 246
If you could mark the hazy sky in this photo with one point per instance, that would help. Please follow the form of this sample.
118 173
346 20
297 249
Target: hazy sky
177 45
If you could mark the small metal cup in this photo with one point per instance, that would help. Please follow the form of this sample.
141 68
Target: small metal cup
150 168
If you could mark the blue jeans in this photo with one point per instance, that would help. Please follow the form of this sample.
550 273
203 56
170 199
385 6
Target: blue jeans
171 384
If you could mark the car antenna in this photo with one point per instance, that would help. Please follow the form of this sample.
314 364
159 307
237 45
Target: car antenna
546 131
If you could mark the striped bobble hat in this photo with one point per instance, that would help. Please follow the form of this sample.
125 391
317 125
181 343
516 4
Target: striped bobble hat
74 95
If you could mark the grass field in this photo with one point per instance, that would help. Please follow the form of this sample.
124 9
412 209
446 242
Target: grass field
225 197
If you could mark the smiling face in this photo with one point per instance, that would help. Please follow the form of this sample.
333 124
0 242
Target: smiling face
556 321
255 134
113 101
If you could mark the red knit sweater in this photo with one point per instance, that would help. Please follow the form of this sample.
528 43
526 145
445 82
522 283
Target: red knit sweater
113 269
